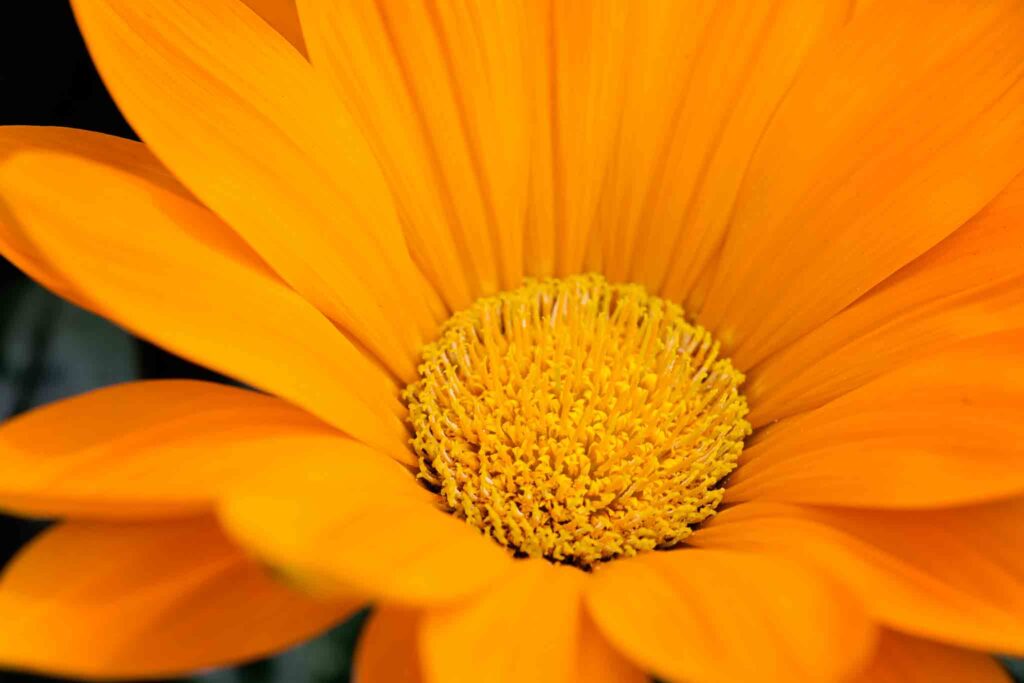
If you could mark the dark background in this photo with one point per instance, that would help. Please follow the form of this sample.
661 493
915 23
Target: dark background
50 349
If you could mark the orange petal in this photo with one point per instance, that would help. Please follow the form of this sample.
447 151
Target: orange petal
862 167
147 449
127 155
438 89
952 575
598 661
283 17
657 61
388 649
359 522
187 286
236 113
969 285
525 629
577 78
940 432
903 659
720 617
703 80
146 600
540 229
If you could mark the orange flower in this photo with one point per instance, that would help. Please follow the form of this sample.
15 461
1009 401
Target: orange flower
549 486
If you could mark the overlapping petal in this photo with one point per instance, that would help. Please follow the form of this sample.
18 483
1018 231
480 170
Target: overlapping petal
862 168
241 118
903 659
359 521
147 600
722 616
526 628
953 575
166 268
969 285
577 85
943 431
439 91
146 449
702 82
283 16
126 155
598 661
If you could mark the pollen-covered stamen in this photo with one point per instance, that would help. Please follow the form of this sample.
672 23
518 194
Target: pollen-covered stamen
577 420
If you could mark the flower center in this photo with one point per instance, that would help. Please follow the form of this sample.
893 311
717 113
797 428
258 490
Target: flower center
577 420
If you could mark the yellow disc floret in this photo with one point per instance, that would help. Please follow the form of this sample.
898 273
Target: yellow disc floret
577 420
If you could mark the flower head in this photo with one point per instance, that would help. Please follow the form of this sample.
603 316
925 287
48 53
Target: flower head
587 341
577 420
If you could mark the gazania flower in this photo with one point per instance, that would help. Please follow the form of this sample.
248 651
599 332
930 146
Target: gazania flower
588 341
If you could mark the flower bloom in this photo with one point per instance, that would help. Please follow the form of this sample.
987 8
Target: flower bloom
592 341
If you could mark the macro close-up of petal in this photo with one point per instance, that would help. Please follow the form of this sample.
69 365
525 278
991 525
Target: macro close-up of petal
529 340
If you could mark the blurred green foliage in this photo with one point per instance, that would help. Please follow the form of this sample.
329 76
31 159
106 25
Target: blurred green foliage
50 349
327 659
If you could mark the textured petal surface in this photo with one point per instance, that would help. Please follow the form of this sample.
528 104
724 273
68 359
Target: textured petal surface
577 79
904 659
127 155
525 629
240 117
167 269
146 449
953 575
940 432
702 81
388 649
722 616
359 522
862 167
439 90
146 600
969 285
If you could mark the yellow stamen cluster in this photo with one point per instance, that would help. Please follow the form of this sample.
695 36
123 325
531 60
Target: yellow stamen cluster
577 420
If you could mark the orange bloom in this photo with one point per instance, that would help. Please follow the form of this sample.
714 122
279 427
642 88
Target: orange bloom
413 225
